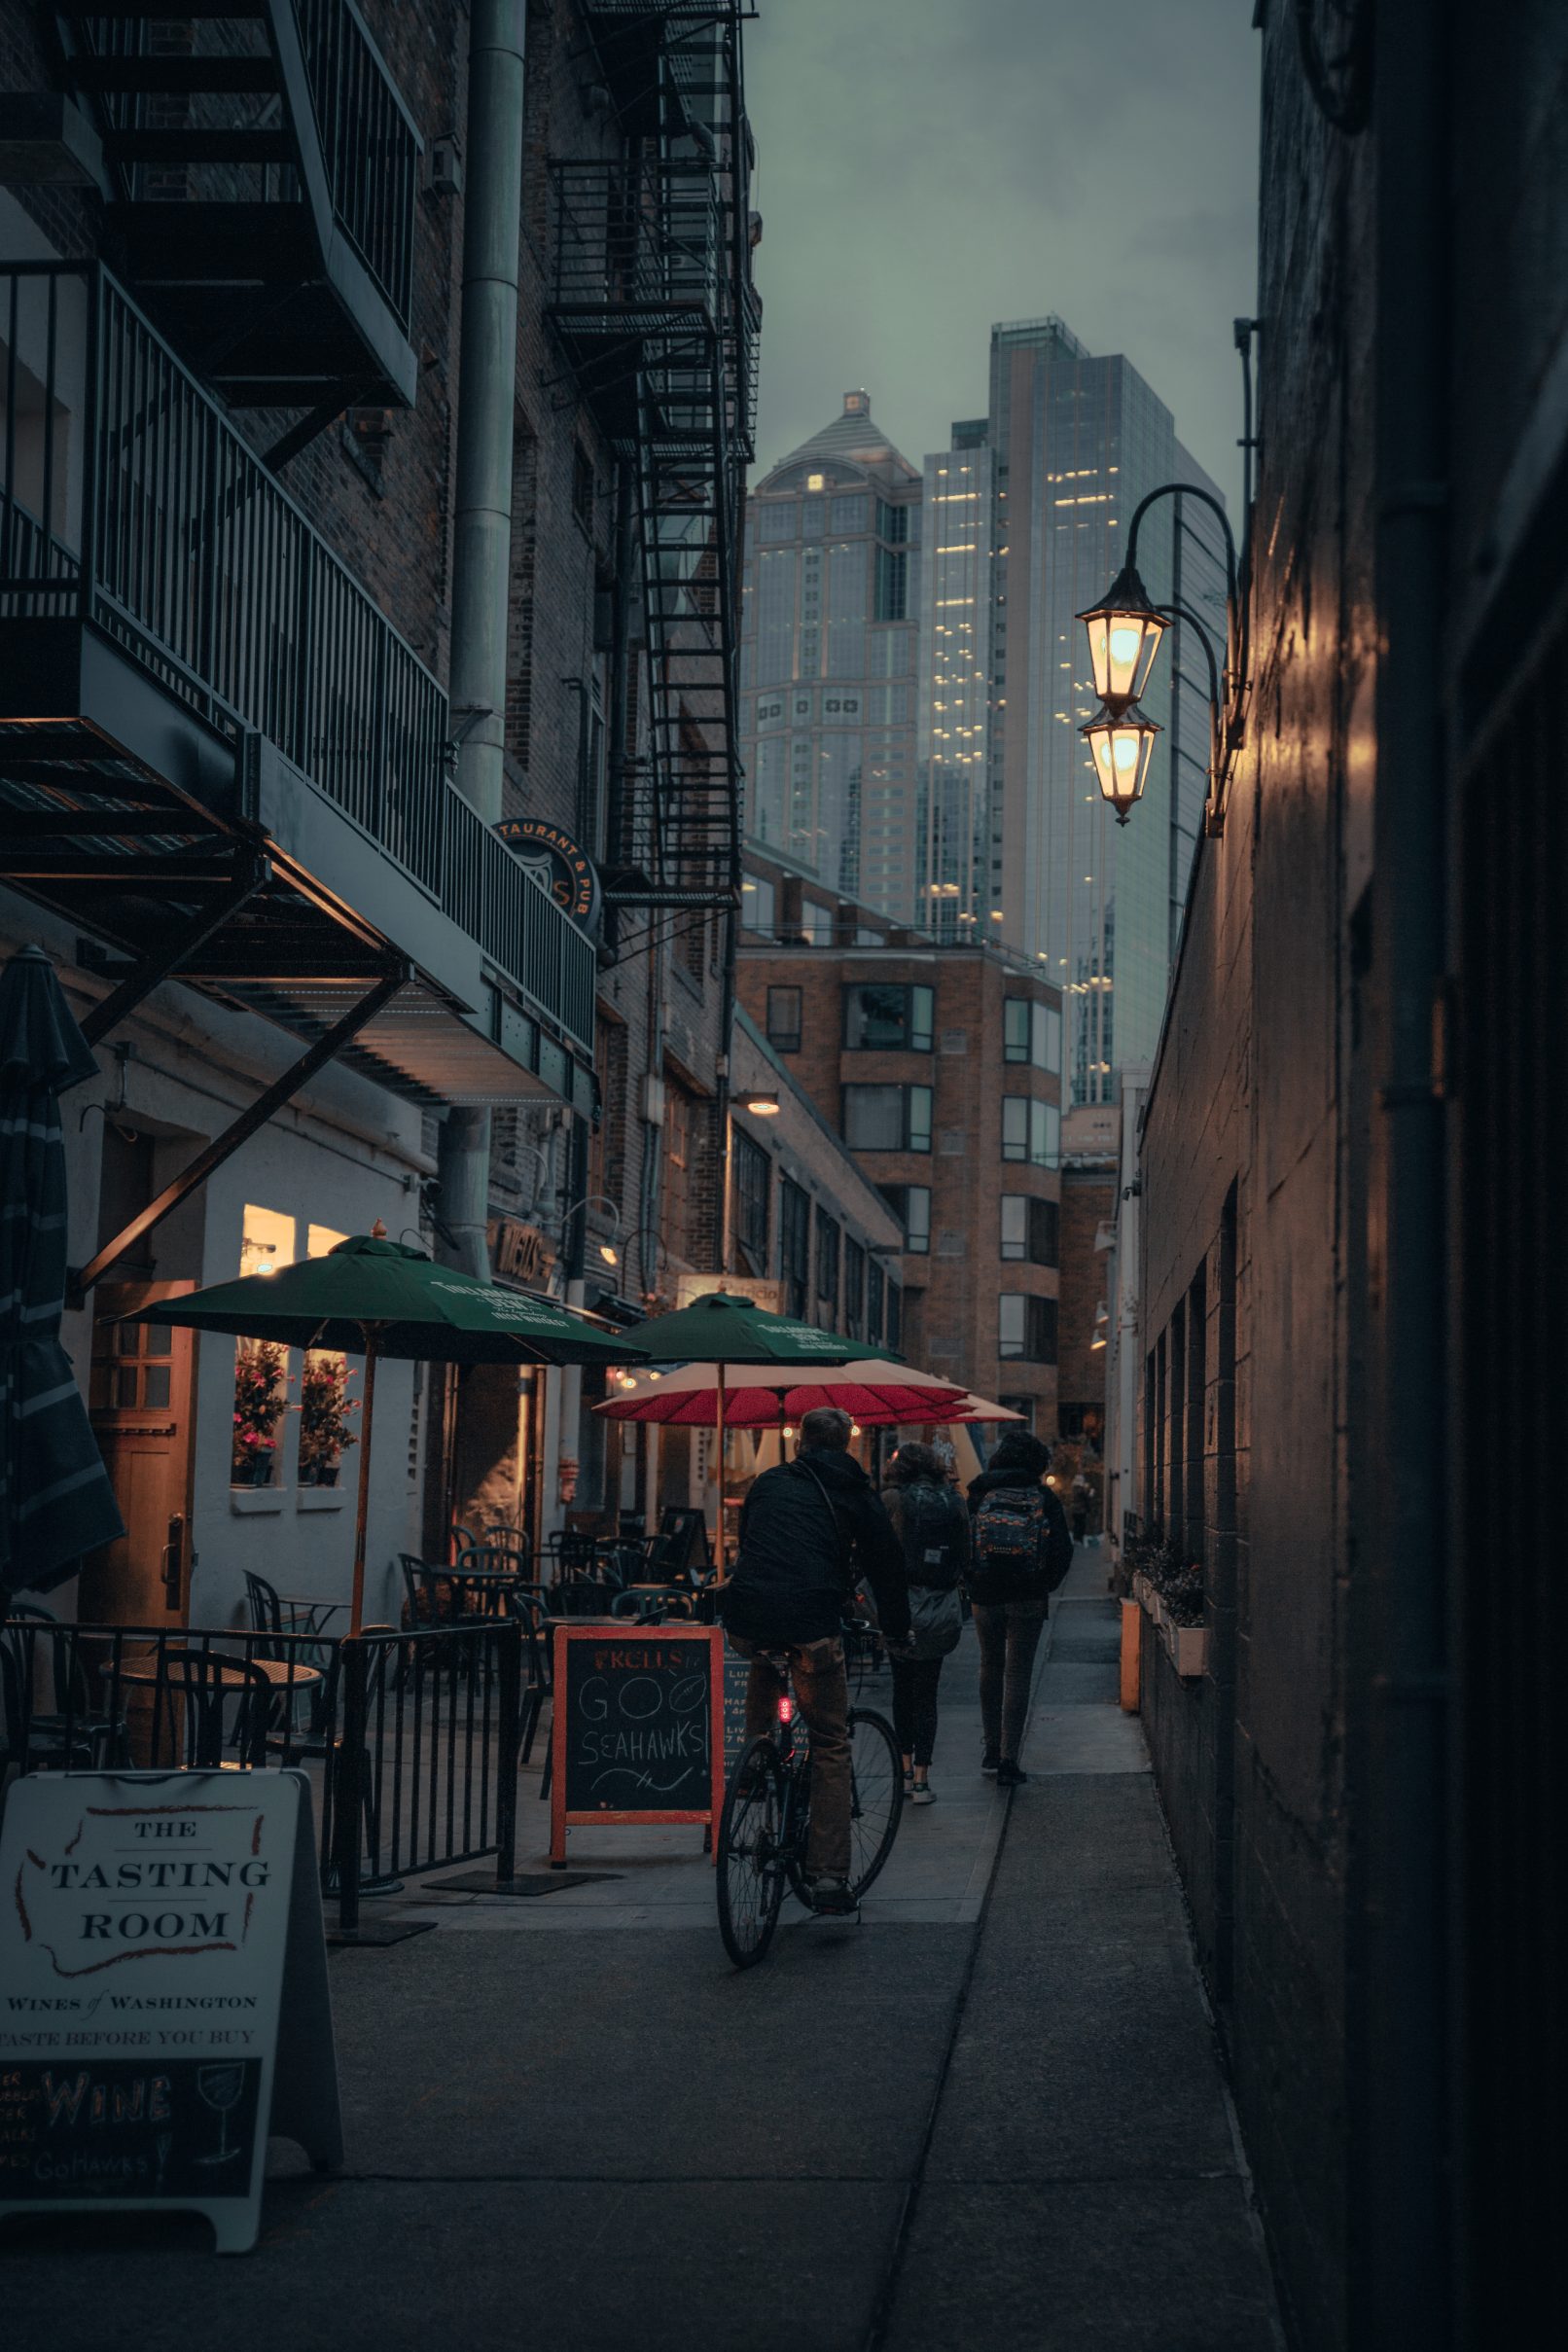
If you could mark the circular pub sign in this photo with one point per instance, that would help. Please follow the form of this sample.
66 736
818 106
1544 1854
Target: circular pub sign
566 871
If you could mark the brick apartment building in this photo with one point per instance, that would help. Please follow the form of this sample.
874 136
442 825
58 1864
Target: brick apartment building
940 1066
331 481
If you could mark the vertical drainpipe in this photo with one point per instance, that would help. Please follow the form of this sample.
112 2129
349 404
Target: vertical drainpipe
481 564
1403 2233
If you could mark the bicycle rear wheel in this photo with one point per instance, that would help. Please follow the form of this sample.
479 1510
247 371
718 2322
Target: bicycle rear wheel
877 1784
750 1863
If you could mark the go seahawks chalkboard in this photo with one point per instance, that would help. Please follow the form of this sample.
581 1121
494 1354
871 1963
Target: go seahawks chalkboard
638 1729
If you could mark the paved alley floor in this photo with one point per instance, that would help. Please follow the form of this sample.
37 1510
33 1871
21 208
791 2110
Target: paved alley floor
992 2115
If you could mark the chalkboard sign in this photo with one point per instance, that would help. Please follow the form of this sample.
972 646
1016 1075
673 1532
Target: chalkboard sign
737 1675
165 1992
638 1727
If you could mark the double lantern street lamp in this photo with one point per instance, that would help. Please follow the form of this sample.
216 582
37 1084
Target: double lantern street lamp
1124 629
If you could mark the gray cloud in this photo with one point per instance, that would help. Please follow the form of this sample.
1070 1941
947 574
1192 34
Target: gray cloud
929 165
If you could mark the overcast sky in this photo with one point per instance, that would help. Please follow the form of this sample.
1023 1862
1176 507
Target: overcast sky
925 167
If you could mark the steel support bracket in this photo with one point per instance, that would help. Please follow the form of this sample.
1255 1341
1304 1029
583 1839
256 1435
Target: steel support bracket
239 1131
251 872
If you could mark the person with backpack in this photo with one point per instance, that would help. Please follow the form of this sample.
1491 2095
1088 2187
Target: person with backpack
1020 1551
933 1526
809 1530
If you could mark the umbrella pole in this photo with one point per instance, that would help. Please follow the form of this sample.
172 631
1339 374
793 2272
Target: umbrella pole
366 1408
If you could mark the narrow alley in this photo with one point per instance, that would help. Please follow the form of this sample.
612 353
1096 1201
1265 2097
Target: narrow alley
991 2113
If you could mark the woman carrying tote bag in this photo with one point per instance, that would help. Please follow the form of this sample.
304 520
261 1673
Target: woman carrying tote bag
932 1524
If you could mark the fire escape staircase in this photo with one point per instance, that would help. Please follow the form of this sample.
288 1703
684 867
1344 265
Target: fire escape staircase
651 298
260 169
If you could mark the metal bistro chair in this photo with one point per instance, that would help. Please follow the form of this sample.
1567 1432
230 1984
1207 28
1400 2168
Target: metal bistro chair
200 1683
584 1596
273 1616
52 1719
529 1611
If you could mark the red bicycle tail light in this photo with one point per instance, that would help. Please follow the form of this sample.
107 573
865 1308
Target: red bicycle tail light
786 1708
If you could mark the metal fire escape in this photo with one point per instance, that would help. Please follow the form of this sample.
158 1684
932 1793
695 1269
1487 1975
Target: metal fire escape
259 167
651 298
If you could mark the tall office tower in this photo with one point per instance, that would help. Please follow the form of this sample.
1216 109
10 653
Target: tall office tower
1074 442
952 728
831 591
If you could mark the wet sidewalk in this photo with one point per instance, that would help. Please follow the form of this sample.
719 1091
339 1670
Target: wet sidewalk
991 2115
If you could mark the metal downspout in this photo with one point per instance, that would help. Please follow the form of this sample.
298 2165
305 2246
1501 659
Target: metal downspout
1402 2236
481 559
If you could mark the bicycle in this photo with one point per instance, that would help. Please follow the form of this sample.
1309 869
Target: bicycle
766 1818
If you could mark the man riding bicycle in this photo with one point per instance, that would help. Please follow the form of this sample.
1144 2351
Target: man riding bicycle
808 1531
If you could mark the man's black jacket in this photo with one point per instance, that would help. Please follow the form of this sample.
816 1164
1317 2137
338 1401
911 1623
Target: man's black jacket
801 1551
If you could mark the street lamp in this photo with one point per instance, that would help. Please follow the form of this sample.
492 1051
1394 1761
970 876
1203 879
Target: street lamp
1124 629
610 1255
1122 744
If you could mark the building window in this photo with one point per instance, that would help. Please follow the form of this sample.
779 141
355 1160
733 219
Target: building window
854 1300
794 1245
895 1314
887 1119
266 1242
880 1019
850 514
892 523
753 1174
892 584
1026 1327
1023 1406
583 488
1031 1033
910 1204
681 1130
777 519
784 1020
1030 1130
1030 1229
875 1287
827 1261
758 900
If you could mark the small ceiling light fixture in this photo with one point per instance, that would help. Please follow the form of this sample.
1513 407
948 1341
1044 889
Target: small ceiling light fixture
610 1257
760 1106
1122 744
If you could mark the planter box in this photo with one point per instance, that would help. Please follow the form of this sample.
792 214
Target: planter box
1186 1646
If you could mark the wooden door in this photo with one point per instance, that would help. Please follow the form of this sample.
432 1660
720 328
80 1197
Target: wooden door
141 1403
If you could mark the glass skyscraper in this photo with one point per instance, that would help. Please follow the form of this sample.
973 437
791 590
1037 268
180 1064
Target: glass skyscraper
1074 444
831 595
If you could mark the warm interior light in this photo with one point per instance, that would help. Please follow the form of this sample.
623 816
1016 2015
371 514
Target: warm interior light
854 1429
789 1429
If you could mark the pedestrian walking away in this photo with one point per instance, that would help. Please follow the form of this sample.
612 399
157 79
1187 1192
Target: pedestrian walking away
809 1530
933 1526
1020 1551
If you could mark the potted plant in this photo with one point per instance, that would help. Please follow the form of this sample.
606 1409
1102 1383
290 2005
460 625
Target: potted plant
260 1402
325 1405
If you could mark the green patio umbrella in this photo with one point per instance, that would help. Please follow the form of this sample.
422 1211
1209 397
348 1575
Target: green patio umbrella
378 1297
724 1329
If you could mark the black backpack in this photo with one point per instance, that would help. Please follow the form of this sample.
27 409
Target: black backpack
1012 1547
931 1539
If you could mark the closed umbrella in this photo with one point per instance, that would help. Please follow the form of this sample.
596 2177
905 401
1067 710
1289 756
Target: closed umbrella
722 1330
383 1299
55 1499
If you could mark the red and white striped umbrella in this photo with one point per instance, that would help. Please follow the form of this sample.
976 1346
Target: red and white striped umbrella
757 1396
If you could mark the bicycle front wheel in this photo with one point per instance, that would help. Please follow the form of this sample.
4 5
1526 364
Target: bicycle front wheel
750 1863
877 1795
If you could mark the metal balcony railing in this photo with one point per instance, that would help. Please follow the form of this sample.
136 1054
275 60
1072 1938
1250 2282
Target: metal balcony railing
641 237
165 532
369 142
